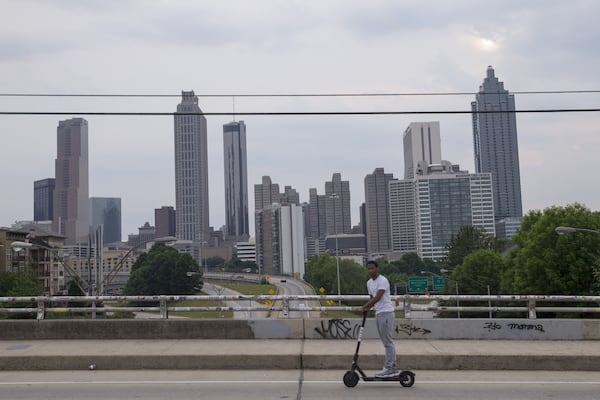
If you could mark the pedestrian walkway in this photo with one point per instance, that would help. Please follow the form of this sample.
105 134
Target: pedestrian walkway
296 354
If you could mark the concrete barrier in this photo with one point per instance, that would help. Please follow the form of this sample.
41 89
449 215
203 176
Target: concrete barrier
334 328
475 329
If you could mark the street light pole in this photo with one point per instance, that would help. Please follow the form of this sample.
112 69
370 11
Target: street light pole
334 196
203 256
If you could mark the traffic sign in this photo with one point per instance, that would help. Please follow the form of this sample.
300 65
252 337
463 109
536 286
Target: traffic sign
417 283
439 284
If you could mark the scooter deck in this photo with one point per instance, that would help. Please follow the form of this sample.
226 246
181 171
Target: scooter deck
376 378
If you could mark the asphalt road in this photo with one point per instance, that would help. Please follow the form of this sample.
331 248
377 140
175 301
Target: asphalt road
289 286
212 289
311 384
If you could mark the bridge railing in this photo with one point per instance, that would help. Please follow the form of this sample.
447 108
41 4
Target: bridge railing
528 305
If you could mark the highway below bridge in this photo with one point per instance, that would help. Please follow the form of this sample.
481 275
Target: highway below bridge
285 286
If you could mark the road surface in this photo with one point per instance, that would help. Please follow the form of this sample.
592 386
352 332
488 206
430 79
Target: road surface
294 384
212 289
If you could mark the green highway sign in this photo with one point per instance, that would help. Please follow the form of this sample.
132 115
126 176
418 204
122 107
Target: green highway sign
417 283
439 284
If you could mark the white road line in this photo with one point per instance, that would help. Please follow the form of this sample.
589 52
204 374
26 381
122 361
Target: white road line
253 381
139 382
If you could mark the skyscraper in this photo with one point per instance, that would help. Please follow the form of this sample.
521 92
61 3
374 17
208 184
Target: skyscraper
43 199
337 200
403 224
71 193
289 196
377 211
266 193
280 239
495 143
106 211
446 200
421 143
317 221
191 173
164 221
236 181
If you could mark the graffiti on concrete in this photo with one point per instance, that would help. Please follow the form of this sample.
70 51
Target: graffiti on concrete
527 327
338 329
494 326
410 329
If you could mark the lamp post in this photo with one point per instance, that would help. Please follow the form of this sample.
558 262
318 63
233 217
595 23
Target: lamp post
203 256
335 196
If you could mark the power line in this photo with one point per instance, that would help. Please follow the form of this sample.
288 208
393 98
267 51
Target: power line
399 94
300 113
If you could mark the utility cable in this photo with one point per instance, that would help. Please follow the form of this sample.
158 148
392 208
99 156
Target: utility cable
301 113
398 94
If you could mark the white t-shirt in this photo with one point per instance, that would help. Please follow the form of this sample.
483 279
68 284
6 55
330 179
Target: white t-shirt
385 302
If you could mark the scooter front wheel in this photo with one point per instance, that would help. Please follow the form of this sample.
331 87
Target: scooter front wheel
407 379
351 379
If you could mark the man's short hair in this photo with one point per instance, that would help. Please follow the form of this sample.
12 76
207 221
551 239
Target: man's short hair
373 262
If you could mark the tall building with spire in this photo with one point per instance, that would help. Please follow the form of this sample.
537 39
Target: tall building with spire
236 181
496 146
71 214
191 174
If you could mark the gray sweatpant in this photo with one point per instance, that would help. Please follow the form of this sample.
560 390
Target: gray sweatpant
385 326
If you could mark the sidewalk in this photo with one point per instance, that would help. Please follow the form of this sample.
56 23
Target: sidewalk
296 354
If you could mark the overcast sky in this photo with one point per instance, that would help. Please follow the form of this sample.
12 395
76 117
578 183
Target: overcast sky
292 47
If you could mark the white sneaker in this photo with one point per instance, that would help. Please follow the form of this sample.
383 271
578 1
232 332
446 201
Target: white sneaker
387 373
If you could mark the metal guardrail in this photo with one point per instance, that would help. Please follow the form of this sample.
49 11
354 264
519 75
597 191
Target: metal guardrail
528 304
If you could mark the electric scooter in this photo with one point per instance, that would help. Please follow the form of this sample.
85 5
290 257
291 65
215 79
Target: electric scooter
351 377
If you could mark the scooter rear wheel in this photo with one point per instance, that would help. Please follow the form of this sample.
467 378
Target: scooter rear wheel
407 379
351 379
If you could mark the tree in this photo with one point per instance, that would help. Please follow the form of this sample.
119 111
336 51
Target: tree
468 239
408 264
19 284
163 270
213 263
480 269
321 271
547 263
237 265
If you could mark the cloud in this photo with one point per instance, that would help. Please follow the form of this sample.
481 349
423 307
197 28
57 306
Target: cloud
240 47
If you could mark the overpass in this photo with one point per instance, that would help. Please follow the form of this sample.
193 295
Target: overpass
297 340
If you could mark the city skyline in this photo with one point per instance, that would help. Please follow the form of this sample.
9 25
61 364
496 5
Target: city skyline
292 48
